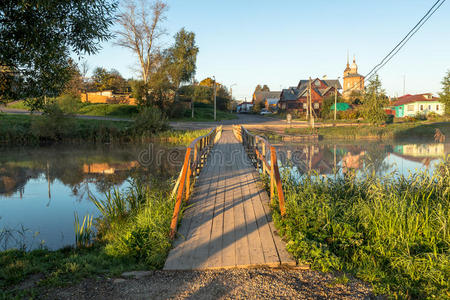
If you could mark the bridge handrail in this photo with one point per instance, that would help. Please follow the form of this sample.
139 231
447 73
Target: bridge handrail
258 149
194 160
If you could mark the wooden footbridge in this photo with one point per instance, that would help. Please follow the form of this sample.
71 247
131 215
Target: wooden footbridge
227 222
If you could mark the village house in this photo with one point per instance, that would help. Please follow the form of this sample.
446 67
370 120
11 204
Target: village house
244 107
295 98
269 99
411 105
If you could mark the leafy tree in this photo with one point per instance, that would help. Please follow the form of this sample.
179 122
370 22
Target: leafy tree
445 94
182 57
75 83
265 88
258 88
37 37
100 78
374 102
109 80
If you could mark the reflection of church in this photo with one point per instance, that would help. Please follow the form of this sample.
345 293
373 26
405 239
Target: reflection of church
353 82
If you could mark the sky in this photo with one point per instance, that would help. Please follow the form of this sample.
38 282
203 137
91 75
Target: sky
249 42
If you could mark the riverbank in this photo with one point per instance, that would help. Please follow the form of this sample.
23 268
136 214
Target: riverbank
424 131
390 231
35 130
131 234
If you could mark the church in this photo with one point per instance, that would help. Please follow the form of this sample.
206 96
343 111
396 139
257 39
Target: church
353 82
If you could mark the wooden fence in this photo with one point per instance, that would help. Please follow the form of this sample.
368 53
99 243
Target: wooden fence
194 160
264 157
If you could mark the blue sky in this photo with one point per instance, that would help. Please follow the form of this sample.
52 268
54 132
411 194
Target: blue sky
277 43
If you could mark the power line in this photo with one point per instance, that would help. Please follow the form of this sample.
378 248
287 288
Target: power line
402 43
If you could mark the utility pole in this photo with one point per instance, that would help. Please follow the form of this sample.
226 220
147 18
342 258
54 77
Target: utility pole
192 99
310 105
335 101
215 98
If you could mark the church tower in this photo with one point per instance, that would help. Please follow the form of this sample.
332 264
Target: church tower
353 82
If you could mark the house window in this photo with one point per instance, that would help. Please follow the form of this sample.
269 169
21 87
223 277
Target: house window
429 107
421 107
316 105
305 106
348 85
317 83
437 107
410 108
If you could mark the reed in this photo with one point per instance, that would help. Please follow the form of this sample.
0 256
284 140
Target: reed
392 231
83 231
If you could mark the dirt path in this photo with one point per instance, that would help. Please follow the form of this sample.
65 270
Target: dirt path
222 284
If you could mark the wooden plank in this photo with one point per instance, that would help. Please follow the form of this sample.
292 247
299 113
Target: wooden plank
203 230
215 242
179 258
229 238
240 230
269 248
285 257
254 239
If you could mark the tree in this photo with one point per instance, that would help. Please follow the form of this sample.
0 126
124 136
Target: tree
265 88
74 86
374 102
109 80
37 37
258 88
140 32
445 94
182 57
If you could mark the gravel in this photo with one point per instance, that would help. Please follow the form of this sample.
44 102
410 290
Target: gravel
220 284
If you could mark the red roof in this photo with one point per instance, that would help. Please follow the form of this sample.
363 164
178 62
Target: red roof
414 98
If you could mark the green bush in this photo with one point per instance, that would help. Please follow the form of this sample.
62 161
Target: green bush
177 110
149 121
350 114
69 104
53 125
390 231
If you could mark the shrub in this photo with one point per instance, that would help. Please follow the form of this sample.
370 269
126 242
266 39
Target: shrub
176 110
53 125
420 116
350 114
150 120
391 231
389 119
69 104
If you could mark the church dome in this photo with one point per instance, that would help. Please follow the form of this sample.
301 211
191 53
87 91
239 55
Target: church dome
354 67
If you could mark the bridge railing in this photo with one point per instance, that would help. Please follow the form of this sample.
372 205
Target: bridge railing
264 157
194 160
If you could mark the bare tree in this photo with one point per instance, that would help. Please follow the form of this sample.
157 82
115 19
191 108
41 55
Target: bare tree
140 31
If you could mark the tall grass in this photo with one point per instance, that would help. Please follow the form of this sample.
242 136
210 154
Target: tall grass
83 231
136 223
392 231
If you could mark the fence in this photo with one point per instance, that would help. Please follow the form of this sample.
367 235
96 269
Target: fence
194 160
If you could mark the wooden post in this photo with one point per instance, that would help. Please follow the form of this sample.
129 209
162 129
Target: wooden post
264 156
194 161
272 173
176 211
278 181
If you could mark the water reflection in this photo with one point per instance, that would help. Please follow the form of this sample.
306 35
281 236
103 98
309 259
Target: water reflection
41 188
374 157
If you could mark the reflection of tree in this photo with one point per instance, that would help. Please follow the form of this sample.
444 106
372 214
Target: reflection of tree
375 158
79 167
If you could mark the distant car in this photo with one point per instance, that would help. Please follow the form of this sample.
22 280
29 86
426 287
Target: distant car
265 112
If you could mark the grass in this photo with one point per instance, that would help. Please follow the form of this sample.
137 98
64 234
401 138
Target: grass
18 105
132 234
391 231
205 113
124 111
34 130
419 130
